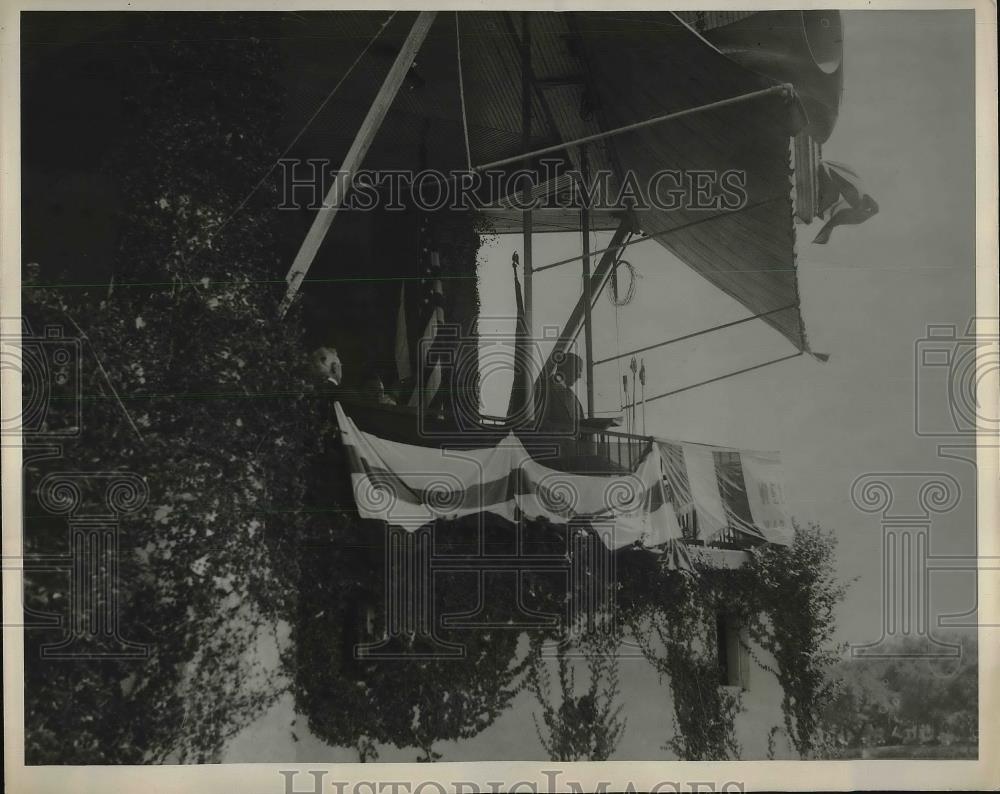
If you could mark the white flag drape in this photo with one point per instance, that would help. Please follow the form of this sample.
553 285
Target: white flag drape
746 494
410 486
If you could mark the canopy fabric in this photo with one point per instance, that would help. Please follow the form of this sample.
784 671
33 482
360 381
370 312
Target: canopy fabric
410 486
644 64
630 67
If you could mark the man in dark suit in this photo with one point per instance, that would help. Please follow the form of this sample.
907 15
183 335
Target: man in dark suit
328 489
559 409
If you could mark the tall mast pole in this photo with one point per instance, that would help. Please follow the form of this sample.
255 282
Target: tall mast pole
526 218
602 272
588 331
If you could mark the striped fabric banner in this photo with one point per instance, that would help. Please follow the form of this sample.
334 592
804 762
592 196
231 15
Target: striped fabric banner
719 490
410 486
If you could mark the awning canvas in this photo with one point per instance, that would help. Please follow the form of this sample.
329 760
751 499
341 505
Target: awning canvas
646 63
631 67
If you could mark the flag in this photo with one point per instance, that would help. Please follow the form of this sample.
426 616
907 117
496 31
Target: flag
410 486
765 488
733 489
836 181
841 192
718 490
403 371
706 496
520 390
432 315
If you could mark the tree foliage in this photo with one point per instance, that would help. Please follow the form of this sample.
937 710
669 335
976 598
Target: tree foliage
785 596
789 596
189 382
905 696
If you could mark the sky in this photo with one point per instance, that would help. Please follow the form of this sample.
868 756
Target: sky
906 126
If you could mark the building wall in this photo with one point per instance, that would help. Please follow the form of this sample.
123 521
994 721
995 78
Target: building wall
648 709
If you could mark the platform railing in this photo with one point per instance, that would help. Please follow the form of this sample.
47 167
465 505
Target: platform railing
620 450
586 450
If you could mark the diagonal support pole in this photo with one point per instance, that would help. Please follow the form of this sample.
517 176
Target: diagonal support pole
596 284
355 156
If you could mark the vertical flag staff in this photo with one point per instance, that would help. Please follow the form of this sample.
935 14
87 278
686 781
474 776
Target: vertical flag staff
642 383
628 426
632 366
521 404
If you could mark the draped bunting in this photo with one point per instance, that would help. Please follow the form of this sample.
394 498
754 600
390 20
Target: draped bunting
410 486
705 494
719 490
765 488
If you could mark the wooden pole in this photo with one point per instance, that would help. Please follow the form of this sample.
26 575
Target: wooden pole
588 295
355 156
526 218
597 281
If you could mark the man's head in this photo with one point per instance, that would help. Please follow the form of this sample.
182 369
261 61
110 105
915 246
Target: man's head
327 364
568 370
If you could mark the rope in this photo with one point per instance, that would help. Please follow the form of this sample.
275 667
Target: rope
618 338
461 94
311 119
616 299
703 331
721 377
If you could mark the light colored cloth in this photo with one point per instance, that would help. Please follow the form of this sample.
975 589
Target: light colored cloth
410 486
765 484
705 493
700 489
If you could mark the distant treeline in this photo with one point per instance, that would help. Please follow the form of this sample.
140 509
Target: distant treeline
907 696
